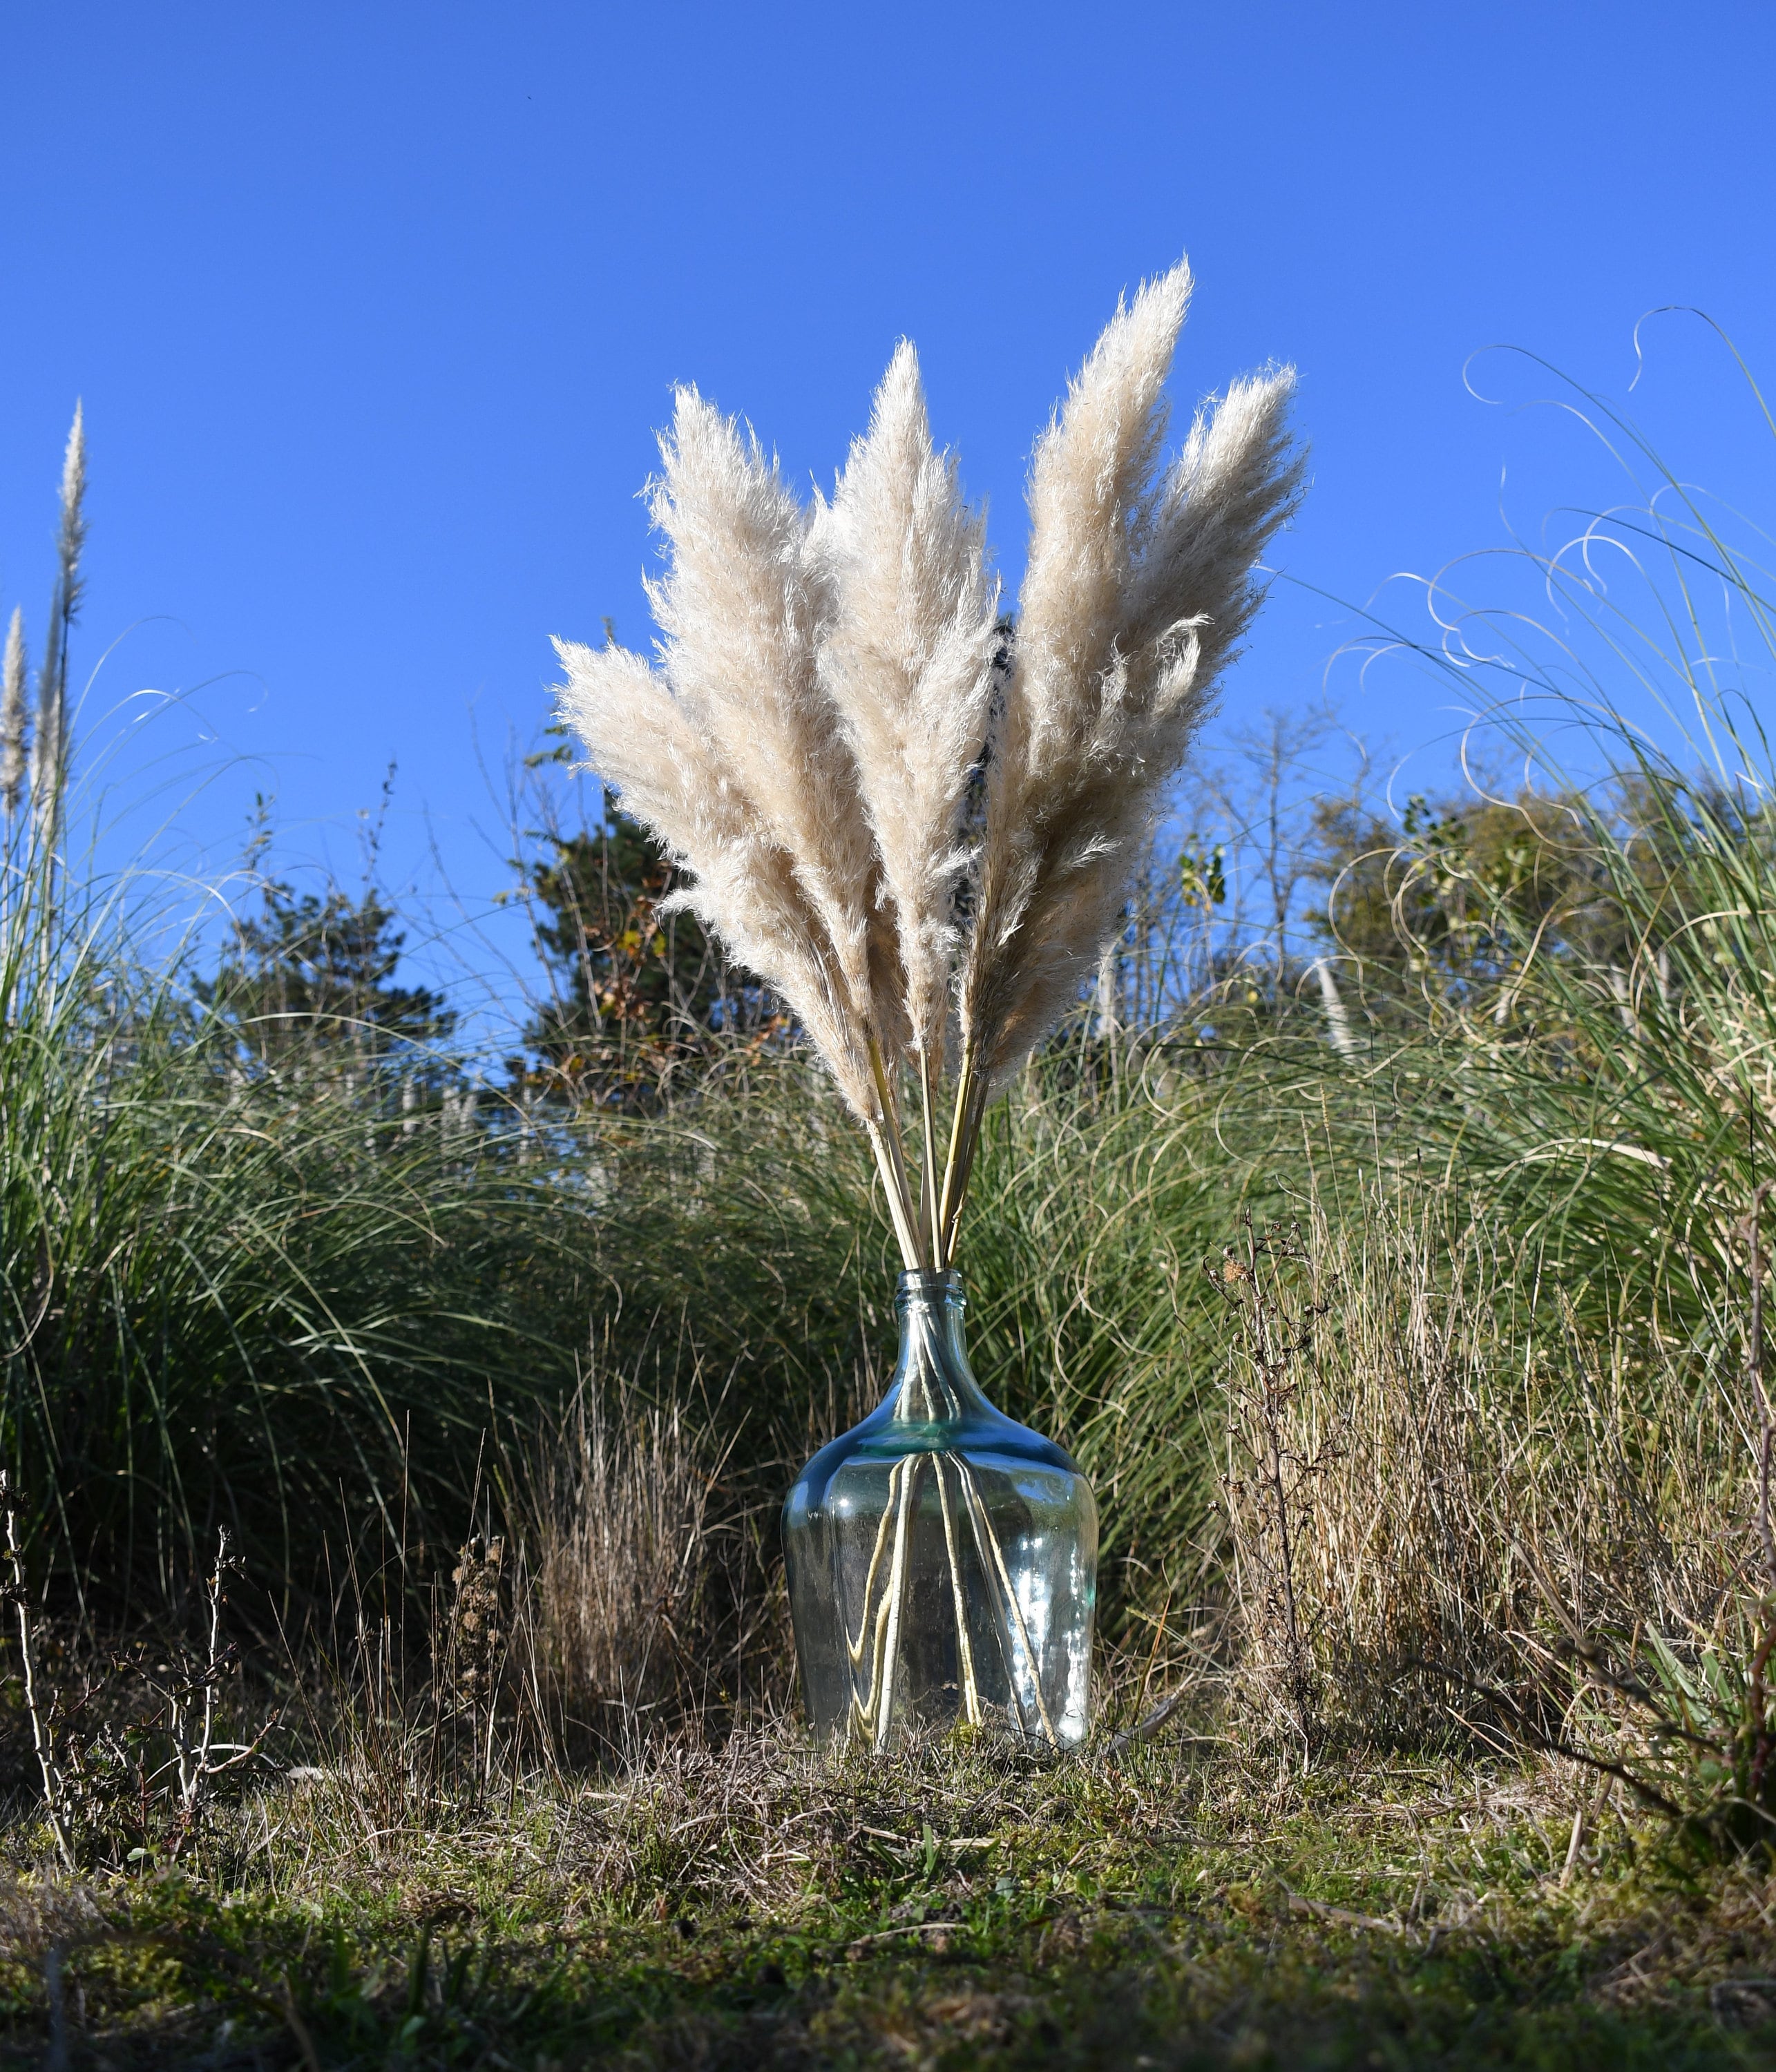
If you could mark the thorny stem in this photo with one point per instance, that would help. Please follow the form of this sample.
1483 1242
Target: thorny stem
28 1653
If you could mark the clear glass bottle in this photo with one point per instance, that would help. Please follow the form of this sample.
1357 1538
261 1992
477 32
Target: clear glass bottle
942 1559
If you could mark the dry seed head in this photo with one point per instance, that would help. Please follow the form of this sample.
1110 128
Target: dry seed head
477 1633
14 721
741 607
1137 592
745 887
907 660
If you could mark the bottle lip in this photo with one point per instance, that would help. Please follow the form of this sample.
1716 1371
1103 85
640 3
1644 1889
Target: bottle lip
926 1285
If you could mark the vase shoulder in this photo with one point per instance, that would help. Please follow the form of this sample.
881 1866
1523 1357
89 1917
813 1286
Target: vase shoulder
990 1434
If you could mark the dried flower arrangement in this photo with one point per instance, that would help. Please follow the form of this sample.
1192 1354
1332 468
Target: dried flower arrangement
916 822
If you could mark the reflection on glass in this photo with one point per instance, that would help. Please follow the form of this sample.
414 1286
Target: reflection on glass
942 1559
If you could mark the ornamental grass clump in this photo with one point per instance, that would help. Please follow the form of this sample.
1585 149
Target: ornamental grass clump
915 818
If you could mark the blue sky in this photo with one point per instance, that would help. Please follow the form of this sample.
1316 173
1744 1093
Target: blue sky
374 309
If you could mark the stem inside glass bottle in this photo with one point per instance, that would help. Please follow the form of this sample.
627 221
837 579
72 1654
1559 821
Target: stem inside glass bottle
934 1386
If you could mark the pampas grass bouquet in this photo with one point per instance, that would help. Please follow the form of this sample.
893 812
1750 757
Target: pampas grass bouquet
916 818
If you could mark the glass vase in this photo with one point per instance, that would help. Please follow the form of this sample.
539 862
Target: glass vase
943 1558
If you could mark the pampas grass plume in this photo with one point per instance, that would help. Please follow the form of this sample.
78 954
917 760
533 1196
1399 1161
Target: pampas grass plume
1137 591
13 720
907 660
675 776
49 772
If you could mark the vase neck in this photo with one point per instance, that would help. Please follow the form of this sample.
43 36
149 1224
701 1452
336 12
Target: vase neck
933 1382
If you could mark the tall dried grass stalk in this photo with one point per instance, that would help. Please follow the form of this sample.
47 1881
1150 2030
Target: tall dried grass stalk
617 1522
15 721
833 680
1137 594
1455 1496
906 659
50 740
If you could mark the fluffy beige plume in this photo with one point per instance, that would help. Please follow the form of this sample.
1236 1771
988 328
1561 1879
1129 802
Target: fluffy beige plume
13 721
747 887
1137 592
1090 482
50 745
741 607
1091 496
908 658
1239 478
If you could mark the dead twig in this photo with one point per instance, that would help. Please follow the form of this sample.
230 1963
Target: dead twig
54 1785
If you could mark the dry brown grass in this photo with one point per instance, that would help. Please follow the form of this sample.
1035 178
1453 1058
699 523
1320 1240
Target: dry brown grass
620 1616
1436 1511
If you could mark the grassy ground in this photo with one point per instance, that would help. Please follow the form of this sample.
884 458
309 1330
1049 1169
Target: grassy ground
1174 1906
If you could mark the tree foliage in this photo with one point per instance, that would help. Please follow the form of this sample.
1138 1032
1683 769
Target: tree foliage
313 974
635 992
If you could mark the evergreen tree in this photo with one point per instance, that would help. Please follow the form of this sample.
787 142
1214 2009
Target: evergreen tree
311 976
635 993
